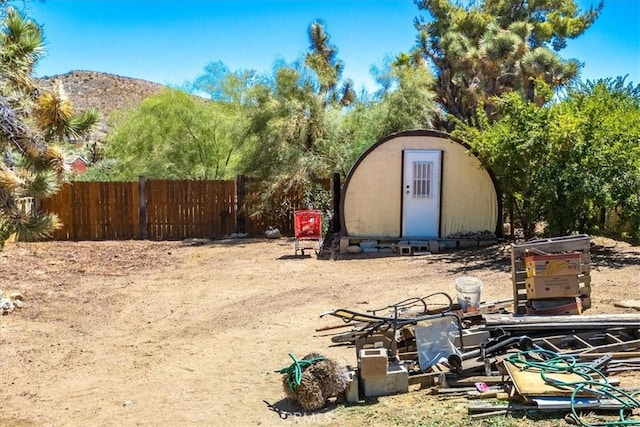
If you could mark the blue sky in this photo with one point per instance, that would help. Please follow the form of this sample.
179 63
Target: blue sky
171 41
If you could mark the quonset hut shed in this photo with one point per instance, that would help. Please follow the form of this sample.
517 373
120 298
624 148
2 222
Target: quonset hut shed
419 184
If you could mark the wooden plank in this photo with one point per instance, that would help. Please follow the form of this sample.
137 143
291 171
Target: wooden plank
581 242
596 320
104 217
143 208
189 212
426 380
61 204
152 209
198 189
94 210
111 224
85 213
231 211
134 201
214 207
530 382
454 381
128 200
172 222
79 211
203 203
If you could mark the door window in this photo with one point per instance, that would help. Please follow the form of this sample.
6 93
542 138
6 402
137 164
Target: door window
422 180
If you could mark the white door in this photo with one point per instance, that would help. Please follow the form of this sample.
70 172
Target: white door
421 193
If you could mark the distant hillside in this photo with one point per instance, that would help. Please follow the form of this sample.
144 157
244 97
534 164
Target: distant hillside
104 91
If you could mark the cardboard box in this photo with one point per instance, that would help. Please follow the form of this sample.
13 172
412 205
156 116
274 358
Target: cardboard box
554 306
552 286
553 265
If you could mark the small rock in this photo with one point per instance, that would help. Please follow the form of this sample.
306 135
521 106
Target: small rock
127 403
272 233
15 295
18 303
354 249
6 305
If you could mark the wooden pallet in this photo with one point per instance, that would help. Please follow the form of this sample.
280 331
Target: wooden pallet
578 243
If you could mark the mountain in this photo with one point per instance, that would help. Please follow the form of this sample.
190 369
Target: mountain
104 91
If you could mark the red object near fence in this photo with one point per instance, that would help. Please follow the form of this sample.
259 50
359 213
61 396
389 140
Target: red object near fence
307 225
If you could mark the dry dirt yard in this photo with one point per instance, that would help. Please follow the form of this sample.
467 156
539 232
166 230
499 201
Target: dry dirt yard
164 333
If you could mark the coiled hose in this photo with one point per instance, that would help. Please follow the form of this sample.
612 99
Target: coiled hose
593 382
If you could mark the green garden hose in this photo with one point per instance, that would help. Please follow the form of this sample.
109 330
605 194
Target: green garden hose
593 381
294 371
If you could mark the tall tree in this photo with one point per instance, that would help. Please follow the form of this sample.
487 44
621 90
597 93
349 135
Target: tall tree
294 118
28 165
483 49
407 98
173 135
322 58
31 165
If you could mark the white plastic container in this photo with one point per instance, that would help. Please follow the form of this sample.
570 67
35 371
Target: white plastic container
469 291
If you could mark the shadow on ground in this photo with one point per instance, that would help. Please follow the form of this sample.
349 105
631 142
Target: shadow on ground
286 408
466 261
616 258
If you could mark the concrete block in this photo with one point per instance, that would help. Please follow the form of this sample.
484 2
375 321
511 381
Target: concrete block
373 362
404 250
472 338
386 339
468 243
434 246
448 244
353 390
344 244
396 381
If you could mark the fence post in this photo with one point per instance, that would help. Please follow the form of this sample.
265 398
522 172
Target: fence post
142 206
241 191
335 187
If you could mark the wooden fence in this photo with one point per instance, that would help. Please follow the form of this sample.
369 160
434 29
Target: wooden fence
158 210
96 211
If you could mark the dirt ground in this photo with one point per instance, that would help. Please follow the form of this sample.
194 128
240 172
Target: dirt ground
165 333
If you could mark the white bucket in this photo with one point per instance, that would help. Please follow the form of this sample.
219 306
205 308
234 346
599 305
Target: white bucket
469 290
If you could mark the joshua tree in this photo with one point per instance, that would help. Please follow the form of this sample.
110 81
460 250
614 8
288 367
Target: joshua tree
32 121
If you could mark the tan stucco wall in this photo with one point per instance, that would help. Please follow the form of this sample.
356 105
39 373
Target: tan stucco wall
372 197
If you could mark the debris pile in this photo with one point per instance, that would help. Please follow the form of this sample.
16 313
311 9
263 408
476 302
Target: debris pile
557 362
516 352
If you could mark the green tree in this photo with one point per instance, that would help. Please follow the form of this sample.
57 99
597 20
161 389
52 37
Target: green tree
31 165
517 149
294 120
561 163
173 135
484 49
407 99
596 131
